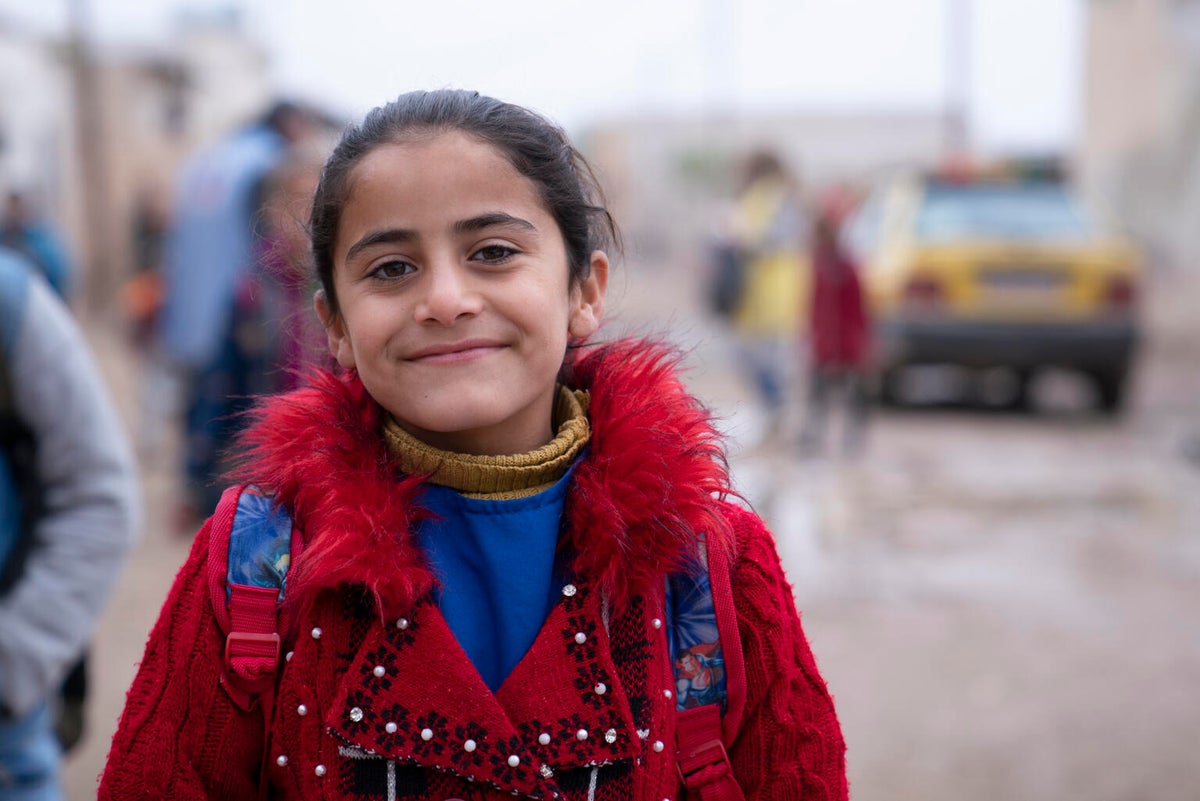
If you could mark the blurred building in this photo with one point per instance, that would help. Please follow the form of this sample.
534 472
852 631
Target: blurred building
1141 145
147 109
668 177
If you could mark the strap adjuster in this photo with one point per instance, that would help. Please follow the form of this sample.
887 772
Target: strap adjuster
691 766
246 645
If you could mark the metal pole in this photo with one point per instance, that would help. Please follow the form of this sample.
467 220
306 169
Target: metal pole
958 76
99 278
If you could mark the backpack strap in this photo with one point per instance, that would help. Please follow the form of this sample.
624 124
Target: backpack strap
710 676
252 540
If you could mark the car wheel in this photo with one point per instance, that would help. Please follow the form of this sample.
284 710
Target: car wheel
1110 391
887 391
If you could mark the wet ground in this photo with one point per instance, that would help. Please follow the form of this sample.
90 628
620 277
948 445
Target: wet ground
1004 605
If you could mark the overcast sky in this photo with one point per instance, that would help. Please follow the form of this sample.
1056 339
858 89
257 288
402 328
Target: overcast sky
578 61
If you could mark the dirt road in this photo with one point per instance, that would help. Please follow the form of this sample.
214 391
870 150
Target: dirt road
1003 605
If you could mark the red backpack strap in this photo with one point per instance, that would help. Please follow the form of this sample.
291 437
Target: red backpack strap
704 642
252 541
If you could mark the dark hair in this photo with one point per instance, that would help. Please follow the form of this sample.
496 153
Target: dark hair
535 146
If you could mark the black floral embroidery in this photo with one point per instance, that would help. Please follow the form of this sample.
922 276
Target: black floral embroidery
358 713
437 744
380 657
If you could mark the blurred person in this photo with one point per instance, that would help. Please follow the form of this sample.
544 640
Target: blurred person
26 232
142 302
477 516
273 330
839 331
67 519
767 237
209 249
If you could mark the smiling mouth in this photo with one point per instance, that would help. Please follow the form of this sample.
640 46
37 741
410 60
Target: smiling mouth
456 353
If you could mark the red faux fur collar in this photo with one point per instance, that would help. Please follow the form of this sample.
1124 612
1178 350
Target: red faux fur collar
639 499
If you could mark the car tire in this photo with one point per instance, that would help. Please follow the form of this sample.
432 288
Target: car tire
1110 390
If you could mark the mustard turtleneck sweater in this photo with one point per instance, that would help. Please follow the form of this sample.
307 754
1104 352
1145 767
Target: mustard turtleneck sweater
499 477
493 537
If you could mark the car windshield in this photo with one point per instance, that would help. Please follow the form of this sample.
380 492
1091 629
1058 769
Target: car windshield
1000 211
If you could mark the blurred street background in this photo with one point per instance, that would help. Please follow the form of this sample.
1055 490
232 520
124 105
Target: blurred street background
1002 596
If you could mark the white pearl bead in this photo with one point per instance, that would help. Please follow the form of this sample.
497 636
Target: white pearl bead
469 745
281 760
581 638
319 770
426 734
513 761
288 657
601 688
581 734
667 693
402 623
316 632
390 727
656 623
379 671
302 710
544 738
658 746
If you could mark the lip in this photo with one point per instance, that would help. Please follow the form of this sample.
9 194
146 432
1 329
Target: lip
455 352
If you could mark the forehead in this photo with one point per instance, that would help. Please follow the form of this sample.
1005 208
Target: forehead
447 173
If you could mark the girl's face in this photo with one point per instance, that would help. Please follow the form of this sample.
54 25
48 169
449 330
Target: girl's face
455 304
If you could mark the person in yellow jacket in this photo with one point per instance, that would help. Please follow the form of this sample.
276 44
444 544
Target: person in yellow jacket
769 228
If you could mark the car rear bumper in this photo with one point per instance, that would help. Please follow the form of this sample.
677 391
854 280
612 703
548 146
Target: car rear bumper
1097 346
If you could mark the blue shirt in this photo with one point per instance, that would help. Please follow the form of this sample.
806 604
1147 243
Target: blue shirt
496 564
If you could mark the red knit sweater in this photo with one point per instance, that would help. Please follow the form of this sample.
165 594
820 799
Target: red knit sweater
377 700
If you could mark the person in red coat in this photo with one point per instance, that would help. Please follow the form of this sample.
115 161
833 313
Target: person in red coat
488 507
839 332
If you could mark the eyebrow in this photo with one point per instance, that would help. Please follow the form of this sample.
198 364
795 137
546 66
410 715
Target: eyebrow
470 225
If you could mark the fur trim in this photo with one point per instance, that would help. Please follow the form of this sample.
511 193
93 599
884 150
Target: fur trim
640 498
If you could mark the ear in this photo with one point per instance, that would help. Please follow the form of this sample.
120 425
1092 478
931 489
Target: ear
335 331
587 298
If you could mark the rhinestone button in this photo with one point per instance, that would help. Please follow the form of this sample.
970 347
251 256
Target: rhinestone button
580 638
581 734
513 761
356 714
658 746
402 623
319 770
569 590
302 710
390 727
316 632
426 734
643 733
544 738
281 760
546 771
601 688
469 746
610 736
379 671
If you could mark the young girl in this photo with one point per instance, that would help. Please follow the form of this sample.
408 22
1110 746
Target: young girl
488 512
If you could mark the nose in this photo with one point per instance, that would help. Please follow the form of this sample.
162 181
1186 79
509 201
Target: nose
448 293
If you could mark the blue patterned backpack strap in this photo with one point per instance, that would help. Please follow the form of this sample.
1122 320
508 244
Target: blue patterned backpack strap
251 541
710 676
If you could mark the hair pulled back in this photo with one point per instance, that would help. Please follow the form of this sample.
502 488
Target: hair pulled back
536 147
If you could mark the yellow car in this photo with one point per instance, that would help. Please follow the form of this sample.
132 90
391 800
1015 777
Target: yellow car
998 271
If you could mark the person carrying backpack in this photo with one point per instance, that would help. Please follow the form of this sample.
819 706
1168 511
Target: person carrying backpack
68 503
482 560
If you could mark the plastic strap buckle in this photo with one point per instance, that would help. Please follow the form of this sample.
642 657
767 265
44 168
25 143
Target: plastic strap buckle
691 765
